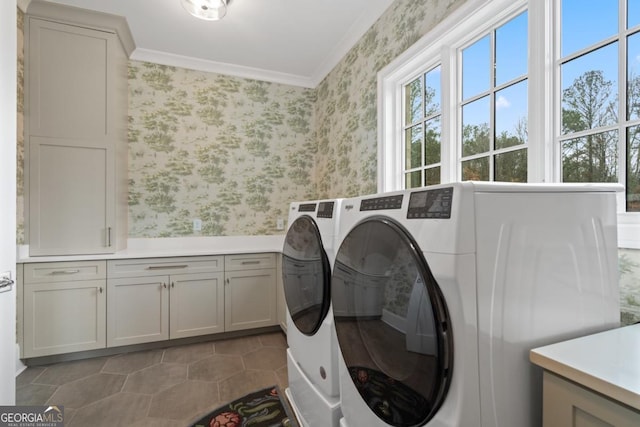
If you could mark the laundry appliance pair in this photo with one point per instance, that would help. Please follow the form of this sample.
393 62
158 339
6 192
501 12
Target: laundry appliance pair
438 294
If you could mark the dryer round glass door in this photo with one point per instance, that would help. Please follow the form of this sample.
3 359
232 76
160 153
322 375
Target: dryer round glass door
306 275
392 323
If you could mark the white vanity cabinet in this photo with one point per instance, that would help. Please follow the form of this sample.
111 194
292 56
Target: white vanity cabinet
567 404
75 130
164 298
63 308
591 381
250 291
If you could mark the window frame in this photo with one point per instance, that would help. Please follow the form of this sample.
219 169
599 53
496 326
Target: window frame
440 46
471 21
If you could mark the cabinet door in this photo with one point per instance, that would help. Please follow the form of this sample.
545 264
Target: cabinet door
64 317
196 304
71 189
566 404
250 299
138 310
68 68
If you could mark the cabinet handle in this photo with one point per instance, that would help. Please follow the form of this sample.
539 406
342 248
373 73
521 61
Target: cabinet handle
108 237
166 267
100 289
173 285
5 284
228 281
59 272
164 285
250 262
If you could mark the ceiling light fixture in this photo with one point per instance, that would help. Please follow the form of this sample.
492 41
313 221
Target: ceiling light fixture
209 10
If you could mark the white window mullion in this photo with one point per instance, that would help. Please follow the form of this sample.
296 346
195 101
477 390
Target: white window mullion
540 128
622 102
390 131
556 88
449 171
492 106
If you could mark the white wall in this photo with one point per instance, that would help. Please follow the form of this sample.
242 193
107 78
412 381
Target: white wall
8 117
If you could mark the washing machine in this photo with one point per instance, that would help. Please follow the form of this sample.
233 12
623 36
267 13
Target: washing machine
312 357
439 293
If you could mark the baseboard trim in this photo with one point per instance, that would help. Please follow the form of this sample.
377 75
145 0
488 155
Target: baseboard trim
19 365
67 357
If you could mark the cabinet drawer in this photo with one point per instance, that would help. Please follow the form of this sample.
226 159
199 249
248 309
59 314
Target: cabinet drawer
49 272
249 262
157 266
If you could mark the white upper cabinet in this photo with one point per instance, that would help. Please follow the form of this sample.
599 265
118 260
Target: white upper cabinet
75 130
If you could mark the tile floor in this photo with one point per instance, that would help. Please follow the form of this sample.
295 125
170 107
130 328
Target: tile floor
164 387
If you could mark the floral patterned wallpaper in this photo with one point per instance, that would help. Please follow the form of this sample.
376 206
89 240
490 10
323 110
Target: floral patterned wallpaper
232 152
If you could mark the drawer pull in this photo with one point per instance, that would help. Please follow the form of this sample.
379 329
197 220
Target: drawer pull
166 267
250 262
100 289
60 272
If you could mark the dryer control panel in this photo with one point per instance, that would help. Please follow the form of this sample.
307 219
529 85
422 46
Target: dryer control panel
307 207
430 204
381 203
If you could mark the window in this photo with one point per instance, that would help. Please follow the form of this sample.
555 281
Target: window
422 131
530 91
494 105
599 115
485 112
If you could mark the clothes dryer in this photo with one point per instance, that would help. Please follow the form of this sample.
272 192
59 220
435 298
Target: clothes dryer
312 357
439 293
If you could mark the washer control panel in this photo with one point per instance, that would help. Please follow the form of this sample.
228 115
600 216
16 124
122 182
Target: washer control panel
430 203
325 210
382 203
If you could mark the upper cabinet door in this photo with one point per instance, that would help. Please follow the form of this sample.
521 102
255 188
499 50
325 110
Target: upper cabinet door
75 132
68 74
71 192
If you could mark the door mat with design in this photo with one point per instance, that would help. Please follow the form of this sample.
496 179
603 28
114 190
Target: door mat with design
262 408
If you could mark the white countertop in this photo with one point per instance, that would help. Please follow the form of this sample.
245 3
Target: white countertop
172 247
607 362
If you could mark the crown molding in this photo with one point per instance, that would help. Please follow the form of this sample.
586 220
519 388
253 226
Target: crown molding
170 59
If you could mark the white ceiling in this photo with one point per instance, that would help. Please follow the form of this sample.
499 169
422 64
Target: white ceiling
295 42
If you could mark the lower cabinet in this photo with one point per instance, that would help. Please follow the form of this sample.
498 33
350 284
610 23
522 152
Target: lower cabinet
250 291
186 300
86 305
64 305
567 404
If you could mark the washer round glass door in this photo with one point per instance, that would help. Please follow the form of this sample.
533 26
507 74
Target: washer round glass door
306 275
392 323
